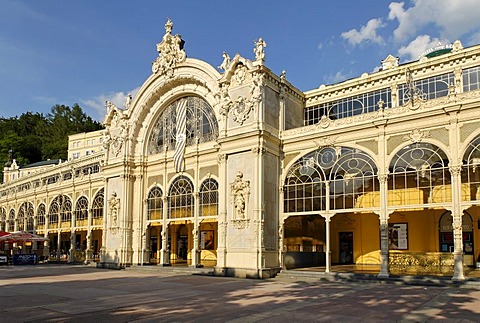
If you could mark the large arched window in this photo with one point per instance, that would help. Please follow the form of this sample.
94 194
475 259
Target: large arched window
420 175
81 210
471 170
201 125
155 204
97 207
41 215
66 210
343 175
3 219
25 213
209 198
61 207
180 199
11 220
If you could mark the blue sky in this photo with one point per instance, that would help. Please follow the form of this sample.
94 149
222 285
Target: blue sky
85 52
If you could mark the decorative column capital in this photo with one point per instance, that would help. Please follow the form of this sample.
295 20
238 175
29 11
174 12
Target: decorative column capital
383 178
455 170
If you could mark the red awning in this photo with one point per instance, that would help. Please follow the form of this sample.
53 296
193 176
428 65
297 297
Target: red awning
20 236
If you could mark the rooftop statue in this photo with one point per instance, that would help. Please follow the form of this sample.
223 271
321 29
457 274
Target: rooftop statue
170 52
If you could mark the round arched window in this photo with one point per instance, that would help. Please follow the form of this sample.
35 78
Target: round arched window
200 123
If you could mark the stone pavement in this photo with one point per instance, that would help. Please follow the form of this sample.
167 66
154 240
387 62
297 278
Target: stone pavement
68 293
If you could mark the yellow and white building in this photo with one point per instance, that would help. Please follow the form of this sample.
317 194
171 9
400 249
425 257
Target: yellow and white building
236 168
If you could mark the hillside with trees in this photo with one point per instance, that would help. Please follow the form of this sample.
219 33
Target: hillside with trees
35 137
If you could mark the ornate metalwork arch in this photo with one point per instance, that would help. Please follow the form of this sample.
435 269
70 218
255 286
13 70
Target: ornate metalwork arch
81 209
420 175
155 204
348 172
180 198
208 197
201 125
471 170
97 205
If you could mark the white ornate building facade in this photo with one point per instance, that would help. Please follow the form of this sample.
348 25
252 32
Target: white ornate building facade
236 168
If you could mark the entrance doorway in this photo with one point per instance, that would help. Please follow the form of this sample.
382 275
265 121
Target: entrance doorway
182 243
346 247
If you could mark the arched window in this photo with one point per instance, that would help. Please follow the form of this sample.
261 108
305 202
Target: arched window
349 173
41 215
30 215
3 219
11 220
471 170
21 217
66 210
81 209
200 122
208 196
155 204
446 233
180 199
420 175
97 206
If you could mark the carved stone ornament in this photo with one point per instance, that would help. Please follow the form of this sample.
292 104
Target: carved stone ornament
325 142
226 62
116 129
170 52
113 211
260 44
224 101
240 194
417 136
241 110
240 73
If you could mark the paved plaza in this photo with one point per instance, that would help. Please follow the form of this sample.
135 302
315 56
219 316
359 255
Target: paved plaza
67 293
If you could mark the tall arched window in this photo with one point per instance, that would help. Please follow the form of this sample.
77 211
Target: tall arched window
201 125
97 207
155 204
21 217
81 210
11 220
471 170
420 175
180 199
349 174
29 215
3 219
41 215
208 196
66 210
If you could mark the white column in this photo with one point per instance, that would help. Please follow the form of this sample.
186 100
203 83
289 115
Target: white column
383 217
222 214
457 213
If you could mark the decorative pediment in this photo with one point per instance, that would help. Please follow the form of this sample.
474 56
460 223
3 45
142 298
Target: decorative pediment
235 68
389 62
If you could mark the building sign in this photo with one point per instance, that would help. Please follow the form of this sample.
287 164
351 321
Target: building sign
437 50
398 236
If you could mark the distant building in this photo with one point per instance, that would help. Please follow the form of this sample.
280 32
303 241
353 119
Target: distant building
240 170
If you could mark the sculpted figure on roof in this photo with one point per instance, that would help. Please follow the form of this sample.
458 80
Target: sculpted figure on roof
170 52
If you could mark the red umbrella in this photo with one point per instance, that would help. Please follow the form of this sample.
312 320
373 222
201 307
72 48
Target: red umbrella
19 236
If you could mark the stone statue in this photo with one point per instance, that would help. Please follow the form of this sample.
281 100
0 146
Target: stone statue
114 206
240 191
128 100
260 44
170 52
226 61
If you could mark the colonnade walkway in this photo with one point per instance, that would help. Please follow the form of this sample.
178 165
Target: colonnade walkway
59 293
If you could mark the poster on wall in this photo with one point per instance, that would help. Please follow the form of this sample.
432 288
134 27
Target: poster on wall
398 236
206 240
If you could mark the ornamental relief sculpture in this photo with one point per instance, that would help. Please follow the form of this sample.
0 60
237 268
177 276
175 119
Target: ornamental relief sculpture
116 129
170 52
240 194
113 211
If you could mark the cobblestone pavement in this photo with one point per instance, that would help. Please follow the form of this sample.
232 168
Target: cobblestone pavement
66 293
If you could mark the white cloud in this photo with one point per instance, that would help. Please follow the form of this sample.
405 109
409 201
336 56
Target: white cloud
366 33
98 103
452 18
417 46
337 77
